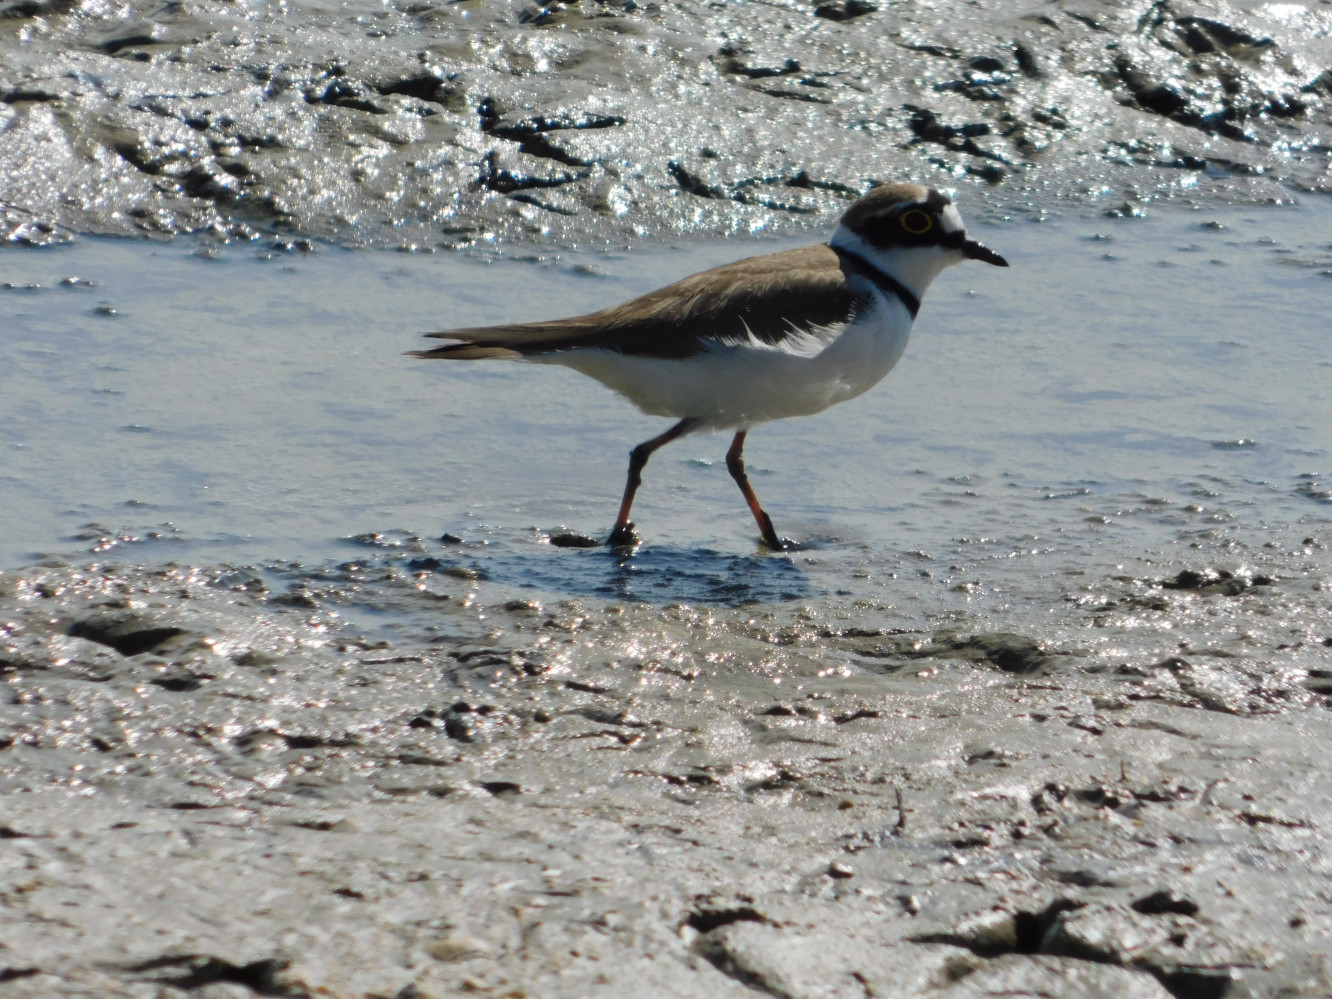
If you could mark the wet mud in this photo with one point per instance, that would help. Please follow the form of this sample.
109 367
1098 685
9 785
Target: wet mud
458 123
395 778
1038 705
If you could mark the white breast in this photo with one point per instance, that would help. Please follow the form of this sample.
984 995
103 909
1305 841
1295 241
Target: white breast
742 384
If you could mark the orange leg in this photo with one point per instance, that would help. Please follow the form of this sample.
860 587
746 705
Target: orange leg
623 531
735 464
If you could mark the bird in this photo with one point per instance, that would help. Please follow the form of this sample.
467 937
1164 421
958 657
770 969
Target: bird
785 334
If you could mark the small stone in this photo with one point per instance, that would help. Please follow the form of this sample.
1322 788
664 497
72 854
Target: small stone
1127 210
1163 902
458 948
567 539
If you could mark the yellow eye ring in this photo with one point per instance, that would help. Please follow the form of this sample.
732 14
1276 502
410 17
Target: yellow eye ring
916 222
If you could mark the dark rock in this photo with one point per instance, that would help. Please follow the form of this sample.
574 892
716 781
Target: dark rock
928 127
36 8
1011 653
1101 796
518 128
423 87
707 920
178 682
499 178
1203 35
1211 582
845 11
147 34
1162 902
987 64
568 539
691 183
1186 982
733 61
126 632
464 722
296 597
211 180
1189 579
346 93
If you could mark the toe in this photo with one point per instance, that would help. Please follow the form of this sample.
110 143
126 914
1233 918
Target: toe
623 537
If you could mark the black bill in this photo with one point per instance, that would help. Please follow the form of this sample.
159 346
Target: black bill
979 251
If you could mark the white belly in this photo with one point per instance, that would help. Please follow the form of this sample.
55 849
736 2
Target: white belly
740 385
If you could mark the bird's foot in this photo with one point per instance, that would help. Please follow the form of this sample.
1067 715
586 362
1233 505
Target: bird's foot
623 536
770 536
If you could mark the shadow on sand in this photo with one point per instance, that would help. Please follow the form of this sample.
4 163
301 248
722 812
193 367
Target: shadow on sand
653 574
555 565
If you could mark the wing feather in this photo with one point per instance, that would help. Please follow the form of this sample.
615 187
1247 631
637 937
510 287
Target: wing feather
769 298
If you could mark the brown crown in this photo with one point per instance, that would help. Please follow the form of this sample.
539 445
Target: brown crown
886 198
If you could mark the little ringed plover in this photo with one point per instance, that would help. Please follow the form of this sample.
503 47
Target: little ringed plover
784 334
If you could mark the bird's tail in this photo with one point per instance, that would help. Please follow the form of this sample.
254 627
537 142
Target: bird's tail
464 352
472 343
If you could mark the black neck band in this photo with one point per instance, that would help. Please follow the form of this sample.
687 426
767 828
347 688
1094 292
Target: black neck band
883 281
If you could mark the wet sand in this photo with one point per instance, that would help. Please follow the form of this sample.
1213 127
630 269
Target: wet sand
302 701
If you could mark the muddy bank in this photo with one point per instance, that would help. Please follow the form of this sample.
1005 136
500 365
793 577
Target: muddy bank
219 783
440 124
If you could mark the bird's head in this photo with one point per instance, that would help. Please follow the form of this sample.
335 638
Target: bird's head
911 232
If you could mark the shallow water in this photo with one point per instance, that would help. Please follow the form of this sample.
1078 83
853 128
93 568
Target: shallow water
1126 386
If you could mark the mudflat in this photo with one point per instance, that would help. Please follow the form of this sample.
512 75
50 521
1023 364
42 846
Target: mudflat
306 694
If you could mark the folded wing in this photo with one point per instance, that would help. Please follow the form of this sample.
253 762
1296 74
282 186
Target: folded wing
769 298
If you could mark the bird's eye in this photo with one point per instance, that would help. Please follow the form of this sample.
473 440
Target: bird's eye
916 222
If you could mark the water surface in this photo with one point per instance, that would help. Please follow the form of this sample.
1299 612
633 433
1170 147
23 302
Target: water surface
1125 386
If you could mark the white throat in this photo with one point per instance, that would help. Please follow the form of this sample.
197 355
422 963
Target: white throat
913 266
